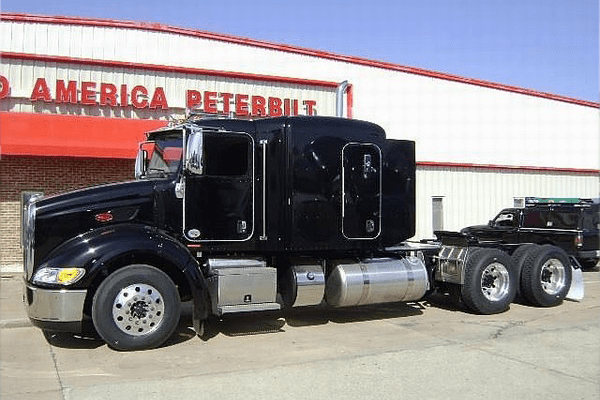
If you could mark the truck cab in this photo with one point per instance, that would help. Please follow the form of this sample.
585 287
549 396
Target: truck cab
504 227
283 184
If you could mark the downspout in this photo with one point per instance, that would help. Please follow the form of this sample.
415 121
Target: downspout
350 102
339 99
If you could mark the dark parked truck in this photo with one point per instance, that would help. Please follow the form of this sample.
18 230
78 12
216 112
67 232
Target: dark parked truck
570 223
245 216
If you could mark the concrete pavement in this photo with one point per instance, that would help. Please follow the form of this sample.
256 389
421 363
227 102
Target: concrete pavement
425 350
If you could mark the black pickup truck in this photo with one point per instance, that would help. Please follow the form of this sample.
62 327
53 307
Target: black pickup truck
569 223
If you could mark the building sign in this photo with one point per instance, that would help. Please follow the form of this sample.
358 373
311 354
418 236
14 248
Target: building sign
4 87
107 94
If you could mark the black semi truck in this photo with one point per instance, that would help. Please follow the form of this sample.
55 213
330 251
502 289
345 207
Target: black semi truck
253 215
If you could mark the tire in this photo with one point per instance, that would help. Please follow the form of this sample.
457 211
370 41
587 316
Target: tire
546 276
136 307
489 282
520 253
518 257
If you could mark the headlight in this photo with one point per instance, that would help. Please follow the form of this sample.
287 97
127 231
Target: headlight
58 276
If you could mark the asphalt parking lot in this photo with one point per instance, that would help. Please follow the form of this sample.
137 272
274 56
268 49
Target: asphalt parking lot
424 350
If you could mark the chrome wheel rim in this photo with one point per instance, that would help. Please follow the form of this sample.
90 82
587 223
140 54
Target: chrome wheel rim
138 309
495 282
552 276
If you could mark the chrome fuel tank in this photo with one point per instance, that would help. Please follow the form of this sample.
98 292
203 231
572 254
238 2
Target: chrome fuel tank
306 285
376 280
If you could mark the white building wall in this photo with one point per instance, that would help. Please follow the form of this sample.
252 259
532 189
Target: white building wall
456 122
473 197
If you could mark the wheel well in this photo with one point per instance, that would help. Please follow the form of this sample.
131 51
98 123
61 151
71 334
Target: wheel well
171 269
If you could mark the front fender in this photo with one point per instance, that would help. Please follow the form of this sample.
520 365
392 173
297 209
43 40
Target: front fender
101 251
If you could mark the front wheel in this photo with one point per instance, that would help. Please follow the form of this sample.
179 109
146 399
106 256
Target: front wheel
136 307
489 282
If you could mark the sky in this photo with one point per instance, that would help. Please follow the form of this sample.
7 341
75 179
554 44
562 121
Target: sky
546 45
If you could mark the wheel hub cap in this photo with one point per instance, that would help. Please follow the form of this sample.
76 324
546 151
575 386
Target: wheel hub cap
553 276
495 282
138 309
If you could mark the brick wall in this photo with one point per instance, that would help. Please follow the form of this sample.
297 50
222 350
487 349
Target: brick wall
49 175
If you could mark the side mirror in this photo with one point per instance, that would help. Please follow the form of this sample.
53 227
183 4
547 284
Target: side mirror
490 223
193 153
140 163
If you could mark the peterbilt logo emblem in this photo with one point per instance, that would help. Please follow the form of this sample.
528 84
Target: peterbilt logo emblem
104 217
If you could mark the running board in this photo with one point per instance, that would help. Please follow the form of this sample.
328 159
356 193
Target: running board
248 308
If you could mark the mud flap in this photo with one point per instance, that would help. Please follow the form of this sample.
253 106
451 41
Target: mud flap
576 291
200 313
199 326
197 321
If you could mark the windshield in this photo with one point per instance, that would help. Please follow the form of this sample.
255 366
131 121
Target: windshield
163 156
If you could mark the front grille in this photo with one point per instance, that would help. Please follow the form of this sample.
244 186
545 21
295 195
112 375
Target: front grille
28 237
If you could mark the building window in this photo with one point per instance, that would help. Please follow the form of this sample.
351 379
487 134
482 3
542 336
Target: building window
437 213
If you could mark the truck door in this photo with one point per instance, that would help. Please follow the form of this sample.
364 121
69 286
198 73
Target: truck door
361 189
219 200
505 228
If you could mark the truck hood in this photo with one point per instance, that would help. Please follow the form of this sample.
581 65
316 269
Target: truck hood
99 198
470 230
62 217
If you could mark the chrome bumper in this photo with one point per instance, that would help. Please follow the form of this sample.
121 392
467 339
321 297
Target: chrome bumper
54 305
589 254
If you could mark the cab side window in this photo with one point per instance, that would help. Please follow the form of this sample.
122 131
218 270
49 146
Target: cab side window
565 220
536 219
551 219
226 155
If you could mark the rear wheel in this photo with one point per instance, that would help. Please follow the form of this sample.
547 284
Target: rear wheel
520 253
489 282
518 257
546 276
137 307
